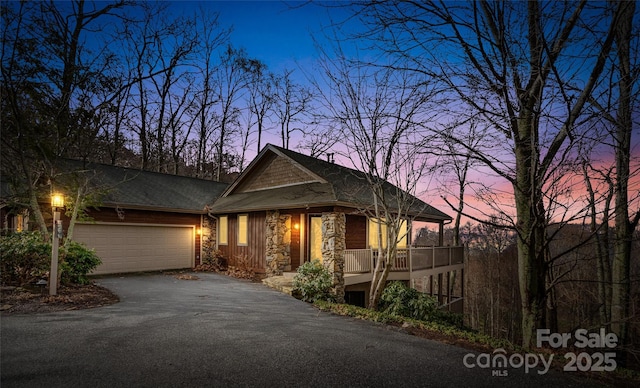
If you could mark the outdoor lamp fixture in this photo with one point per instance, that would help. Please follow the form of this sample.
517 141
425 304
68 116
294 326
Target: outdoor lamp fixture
57 203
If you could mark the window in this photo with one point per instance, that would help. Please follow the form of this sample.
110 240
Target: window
223 230
315 238
18 223
374 224
243 229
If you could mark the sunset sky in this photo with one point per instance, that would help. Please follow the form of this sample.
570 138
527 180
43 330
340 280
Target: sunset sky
281 34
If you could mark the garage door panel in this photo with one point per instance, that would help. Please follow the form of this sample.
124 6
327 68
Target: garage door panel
133 248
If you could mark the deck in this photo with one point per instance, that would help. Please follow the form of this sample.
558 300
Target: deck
410 263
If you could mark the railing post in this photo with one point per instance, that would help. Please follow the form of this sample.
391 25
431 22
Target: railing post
372 268
433 257
410 258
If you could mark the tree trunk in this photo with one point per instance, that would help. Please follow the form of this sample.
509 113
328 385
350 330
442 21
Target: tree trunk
620 271
530 230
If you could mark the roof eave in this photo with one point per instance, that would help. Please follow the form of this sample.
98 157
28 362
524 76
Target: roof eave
113 205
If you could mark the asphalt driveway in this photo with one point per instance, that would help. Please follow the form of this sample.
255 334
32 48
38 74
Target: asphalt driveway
219 331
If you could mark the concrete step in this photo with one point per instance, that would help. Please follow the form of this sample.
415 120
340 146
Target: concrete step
281 283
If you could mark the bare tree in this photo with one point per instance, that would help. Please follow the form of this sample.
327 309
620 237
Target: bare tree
141 58
159 48
231 79
320 140
515 76
378 111
261 100
623 128
614 124
50 79
600 231
459 163
212 37
173 52
291 100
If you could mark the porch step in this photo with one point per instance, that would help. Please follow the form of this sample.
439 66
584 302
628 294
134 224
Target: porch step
281 283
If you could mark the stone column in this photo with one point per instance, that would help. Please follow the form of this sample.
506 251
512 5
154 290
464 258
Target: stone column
333 246
208 239
278 243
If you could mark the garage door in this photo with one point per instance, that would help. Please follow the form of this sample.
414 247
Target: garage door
133 248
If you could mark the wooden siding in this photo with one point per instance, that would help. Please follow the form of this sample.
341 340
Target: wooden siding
255 250
275 171
143 216
356 234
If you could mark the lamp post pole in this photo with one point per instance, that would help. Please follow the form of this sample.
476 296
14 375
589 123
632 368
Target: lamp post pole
57 201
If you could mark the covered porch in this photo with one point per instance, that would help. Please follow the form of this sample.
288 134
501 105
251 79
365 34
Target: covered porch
410 263
436 270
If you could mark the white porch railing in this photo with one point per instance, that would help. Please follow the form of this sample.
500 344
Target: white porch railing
358 261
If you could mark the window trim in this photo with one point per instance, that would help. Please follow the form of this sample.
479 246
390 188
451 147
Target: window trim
243 232
223 238
371 224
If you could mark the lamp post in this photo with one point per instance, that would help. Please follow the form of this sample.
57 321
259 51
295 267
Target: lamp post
57 202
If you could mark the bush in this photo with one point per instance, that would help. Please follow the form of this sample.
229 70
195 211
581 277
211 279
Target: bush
408 302
26 257
77 261
313 282
399 299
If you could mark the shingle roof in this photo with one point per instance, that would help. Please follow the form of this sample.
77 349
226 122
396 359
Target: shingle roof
342 186
131 188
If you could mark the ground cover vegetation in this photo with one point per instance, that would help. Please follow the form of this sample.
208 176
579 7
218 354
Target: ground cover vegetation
24 269
544 111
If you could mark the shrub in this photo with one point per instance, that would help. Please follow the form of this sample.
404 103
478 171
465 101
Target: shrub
26 257
399 299
77 262
242 268
408 302
313 282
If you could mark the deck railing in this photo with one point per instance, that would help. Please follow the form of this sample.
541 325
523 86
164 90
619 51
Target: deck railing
357 261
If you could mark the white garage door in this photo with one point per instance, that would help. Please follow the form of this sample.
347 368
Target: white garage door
134 248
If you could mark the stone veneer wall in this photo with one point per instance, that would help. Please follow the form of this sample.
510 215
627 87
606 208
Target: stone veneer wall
278 235
333 246
208 238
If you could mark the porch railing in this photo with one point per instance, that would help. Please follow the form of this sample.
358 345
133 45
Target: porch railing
407 259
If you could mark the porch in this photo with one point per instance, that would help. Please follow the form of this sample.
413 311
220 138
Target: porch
413 264
432 270
410 263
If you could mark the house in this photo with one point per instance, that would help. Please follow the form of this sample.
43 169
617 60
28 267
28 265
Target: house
141 221
287 208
